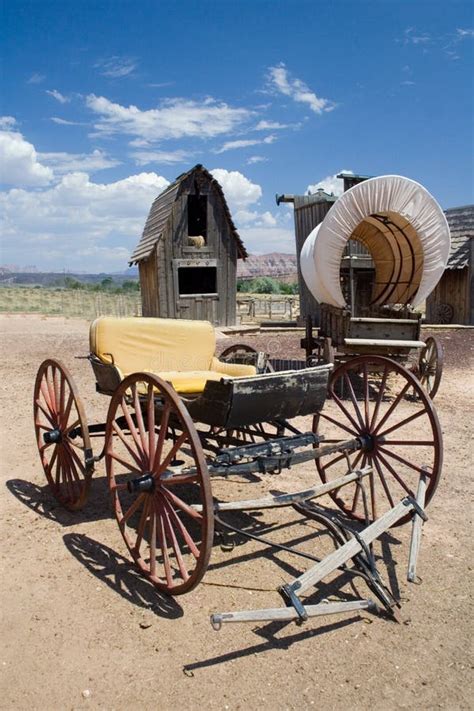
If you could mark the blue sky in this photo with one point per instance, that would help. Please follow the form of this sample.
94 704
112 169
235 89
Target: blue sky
104 103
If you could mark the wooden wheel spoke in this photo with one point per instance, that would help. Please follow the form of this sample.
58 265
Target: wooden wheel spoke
135 455
72 426
142 524
410 442
125 464
392 407
50 465
132 428
180 479
354 401
164 547
174 542
52 396
183 530
45 393
75 458
131 510
337 459
388 494
392 471
408 419
172 453
346 412
151 422
404 461
162 435
152 527
379 397
339 424
366 395
180 504
45 413
67 410
139 418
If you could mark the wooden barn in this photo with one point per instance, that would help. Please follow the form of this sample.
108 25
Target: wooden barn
452 301
187 256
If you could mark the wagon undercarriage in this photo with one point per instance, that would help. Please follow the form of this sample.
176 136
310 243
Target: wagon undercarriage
161 458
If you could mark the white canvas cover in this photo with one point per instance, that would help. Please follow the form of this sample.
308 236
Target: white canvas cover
401 225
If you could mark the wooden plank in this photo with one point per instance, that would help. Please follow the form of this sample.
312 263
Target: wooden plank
333 561
289 613
269 502
383 342
416 531
407 321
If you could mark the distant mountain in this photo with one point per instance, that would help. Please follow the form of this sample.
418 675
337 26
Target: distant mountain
276 264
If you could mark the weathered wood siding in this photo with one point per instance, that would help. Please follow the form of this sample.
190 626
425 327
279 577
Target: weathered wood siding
455 289
307 216
159 273
149 286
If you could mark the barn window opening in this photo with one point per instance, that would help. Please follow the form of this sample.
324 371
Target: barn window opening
197 216
197 280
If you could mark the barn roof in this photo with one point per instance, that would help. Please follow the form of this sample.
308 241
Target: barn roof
161 211
461 225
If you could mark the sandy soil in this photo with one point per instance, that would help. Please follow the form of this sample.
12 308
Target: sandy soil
81 629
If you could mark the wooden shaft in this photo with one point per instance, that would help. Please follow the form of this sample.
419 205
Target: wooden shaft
289 613
269 502
333 561
416 531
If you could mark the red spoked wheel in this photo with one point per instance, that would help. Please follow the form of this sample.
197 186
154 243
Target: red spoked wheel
400 437
159 483
62 435
430 365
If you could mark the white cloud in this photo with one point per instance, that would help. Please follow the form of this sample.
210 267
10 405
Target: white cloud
19 161
58 96
411 36
256 159
239 191
281 81
164 157
36 78
330 184
64 122
244 143
116 67
7 122
463 33
174 118
82 162
78 224
271 126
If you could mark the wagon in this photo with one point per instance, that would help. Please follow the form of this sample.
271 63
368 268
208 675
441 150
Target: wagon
179 416
406 234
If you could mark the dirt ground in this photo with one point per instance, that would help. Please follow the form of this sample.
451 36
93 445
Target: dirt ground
81 629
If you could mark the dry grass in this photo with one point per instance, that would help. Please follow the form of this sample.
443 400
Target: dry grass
64 302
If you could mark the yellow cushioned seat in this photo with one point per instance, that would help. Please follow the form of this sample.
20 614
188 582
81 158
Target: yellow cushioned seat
179 351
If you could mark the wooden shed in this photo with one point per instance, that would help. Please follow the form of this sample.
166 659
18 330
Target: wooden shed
452 301
187 256
356 267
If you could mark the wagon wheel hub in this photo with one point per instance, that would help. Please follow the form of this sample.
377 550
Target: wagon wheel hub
53 436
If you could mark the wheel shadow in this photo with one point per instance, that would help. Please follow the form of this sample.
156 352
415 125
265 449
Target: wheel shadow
120 576
40 500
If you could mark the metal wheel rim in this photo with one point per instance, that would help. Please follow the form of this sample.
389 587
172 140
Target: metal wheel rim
57 407
160 515
386 485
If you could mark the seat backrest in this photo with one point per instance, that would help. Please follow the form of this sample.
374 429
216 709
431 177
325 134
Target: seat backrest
153 344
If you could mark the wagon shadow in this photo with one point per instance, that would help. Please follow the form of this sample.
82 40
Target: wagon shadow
120 576
272 642
40 500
